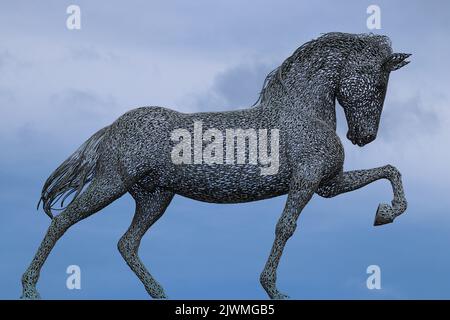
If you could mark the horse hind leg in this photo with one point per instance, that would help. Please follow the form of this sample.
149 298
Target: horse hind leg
150 206
100 192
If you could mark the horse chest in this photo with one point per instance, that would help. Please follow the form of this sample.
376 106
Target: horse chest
332 157
315 149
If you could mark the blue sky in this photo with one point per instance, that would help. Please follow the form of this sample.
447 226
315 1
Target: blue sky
57 87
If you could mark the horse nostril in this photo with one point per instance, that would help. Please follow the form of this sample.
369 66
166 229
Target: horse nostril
365 140
350 136
370 138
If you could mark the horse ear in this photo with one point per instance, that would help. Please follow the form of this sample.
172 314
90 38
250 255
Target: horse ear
395 61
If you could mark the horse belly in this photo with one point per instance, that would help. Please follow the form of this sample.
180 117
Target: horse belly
227 184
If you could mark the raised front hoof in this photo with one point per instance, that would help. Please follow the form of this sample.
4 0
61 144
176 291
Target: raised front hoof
30 294
385 214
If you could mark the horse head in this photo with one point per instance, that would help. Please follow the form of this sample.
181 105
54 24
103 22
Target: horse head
362 86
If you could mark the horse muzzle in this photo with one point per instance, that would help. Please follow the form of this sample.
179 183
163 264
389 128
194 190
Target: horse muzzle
360 141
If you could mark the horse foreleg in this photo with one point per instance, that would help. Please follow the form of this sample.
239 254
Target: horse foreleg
149 208
352 180
299 195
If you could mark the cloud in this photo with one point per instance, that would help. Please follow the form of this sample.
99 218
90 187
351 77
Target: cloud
77 105
7 97
91 52
411 118
5 58
235 88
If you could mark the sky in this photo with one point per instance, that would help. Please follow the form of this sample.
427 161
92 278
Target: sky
59 86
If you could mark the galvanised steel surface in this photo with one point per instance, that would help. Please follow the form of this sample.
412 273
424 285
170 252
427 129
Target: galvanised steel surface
298 99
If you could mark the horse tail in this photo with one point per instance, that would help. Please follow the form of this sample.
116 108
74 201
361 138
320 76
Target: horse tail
72 175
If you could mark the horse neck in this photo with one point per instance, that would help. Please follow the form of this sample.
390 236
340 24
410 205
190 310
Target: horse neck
310 91
316 98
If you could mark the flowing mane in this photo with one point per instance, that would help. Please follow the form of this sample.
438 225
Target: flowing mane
351 42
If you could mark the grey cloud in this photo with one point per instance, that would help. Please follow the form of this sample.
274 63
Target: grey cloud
90 53
74 104
84 53
235 88
5 58
7 97
409 118
10 61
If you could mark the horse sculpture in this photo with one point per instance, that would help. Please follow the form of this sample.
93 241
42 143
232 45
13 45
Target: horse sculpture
135 153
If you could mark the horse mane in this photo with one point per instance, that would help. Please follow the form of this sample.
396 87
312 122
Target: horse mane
357 41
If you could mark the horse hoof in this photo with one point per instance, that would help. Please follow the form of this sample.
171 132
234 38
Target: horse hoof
30 294
279 296
385 214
